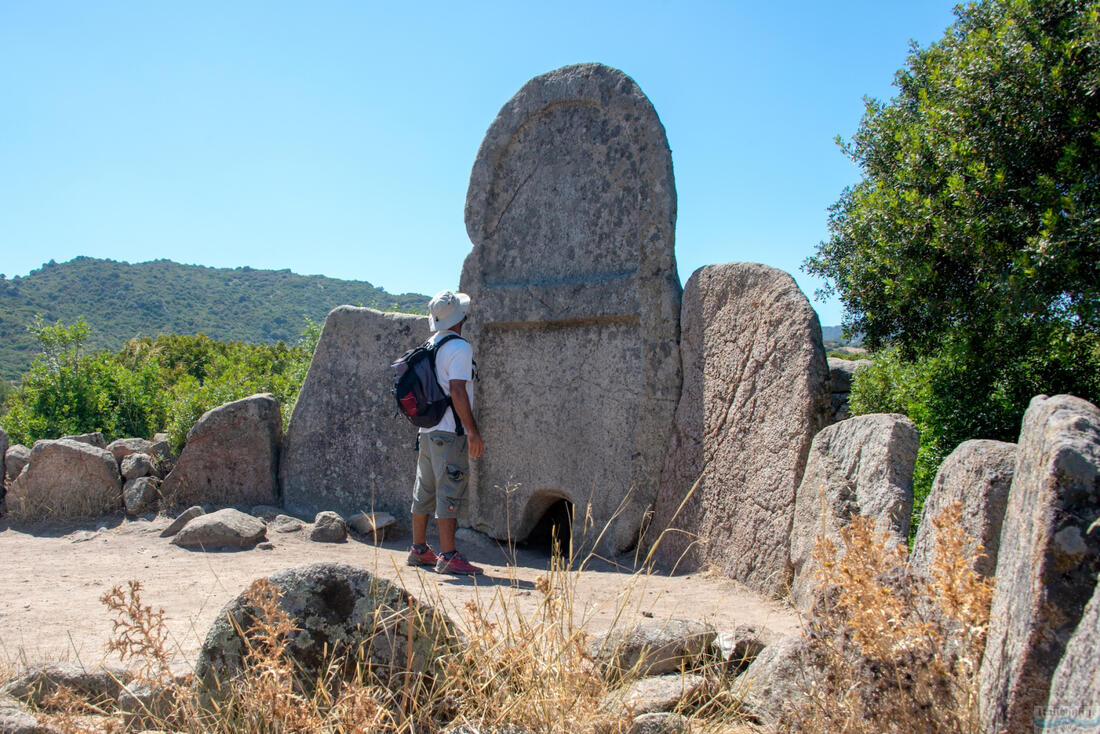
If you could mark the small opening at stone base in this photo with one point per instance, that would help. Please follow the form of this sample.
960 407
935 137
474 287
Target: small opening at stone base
551 533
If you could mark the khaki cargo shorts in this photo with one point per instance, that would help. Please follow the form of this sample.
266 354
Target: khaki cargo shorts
442 474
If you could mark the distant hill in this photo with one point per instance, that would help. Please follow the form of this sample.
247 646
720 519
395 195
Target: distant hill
120 301
835 335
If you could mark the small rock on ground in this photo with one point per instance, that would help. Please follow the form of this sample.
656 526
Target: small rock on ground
737 649
37 682
226 528
371 523
653 648
267 513
661 723
328 527
658 694
133 466
286 524
181 520
140 494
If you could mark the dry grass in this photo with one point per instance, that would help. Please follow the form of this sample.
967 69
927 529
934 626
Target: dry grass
514 671
891 651
63 503
8 669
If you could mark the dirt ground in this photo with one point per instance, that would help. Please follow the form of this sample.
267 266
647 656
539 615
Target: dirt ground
51 579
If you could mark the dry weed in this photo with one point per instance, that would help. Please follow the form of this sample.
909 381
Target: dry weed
139 633
72 713
891 651
515 670
265 697
530 672
8 670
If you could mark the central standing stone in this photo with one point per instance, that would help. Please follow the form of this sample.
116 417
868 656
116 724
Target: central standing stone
576 305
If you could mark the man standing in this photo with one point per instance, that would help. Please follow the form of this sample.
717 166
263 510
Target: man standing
443 466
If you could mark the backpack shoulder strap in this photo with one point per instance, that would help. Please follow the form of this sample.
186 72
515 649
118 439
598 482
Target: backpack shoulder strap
459 428
444 340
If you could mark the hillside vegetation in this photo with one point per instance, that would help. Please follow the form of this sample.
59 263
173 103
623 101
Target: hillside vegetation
121 301
153 384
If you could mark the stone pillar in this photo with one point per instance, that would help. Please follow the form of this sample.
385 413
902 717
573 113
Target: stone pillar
755 392
571 210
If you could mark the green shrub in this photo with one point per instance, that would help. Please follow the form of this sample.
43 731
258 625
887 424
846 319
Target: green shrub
850 356
890 384
966 391
82 394
152 384
236 371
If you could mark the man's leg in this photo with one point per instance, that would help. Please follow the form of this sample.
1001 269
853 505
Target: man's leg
447 527
420 531
452 477
423 504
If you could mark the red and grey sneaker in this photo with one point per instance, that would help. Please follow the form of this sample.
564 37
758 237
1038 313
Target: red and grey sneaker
456 565
426 557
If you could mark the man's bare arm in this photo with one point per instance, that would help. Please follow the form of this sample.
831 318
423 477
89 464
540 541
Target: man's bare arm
461 402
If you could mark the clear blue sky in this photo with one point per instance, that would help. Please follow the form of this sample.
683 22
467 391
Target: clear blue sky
337 137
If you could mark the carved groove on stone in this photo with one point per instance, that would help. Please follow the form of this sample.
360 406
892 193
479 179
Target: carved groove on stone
576 280
563 323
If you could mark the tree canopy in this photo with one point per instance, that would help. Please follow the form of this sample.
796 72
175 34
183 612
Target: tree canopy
971 245
979 206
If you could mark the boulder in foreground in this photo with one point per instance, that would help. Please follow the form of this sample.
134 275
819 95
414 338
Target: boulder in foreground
1075 688
328 527
652 648
341 613
776 679
1048 561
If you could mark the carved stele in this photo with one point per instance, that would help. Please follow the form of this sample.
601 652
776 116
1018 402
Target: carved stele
576 303
755 393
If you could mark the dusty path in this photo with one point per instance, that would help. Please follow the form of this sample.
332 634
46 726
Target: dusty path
51 580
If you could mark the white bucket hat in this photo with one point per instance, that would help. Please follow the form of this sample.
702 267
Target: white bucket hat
447 309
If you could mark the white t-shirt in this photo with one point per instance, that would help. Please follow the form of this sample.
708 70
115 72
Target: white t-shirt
453 361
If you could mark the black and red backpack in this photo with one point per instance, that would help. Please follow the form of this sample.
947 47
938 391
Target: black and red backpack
416 386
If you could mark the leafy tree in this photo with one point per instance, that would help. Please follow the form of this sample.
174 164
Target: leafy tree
972 242
979 207
58 339
66 392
